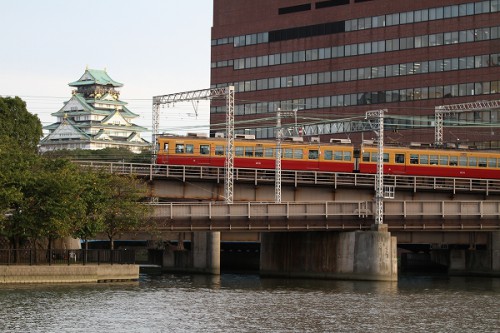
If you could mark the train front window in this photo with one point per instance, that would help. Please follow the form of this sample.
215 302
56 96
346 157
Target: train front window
313 154
399 158
219 150
189 149
204 149
179 148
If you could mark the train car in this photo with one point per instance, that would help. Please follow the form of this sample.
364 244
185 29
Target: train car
251 153
330 157
428 161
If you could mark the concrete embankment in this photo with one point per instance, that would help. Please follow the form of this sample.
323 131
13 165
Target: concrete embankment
68 274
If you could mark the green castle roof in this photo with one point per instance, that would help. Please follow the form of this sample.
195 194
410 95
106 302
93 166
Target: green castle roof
95 76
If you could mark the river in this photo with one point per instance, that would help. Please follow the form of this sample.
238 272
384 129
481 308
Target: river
248 303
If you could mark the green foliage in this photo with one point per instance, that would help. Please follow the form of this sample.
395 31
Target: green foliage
48 197
123 211
106 154
20 125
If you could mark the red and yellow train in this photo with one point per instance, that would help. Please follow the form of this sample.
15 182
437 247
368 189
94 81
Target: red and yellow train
330 157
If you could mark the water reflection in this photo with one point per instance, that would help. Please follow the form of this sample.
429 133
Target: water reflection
247 303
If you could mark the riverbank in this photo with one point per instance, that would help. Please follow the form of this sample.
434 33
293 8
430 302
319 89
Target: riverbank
68 273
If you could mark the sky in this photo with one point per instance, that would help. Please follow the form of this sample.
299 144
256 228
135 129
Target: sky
153 47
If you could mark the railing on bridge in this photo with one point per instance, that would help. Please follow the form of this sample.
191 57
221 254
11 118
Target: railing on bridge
335 180
444 215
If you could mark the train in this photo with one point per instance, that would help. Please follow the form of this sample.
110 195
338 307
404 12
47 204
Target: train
334 156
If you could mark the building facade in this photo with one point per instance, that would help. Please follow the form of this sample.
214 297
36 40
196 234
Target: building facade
331 61
94 118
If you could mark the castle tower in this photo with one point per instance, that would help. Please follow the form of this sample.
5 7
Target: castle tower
94 118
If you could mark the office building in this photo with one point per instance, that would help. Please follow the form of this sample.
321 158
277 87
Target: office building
329 62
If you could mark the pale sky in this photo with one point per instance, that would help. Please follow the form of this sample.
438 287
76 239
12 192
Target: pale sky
153 47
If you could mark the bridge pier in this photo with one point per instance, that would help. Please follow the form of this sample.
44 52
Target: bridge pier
203 257
361 255
477 262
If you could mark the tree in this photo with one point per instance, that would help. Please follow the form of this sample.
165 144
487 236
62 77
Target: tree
20 125
51 200
123 211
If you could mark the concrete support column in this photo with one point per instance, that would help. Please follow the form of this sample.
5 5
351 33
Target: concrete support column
206 252
363 255
495 252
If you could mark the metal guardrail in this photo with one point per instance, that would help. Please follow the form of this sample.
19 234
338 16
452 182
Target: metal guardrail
332 179
67 257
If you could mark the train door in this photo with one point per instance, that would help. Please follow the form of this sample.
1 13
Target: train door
399 163
205 149
313 158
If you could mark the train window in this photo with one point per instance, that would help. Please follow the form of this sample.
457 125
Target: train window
374 157
219 150
204 149
298 154
249 151
288 152
165 147
347 156
434 160
453 160
366 157
189 149
259 151
238 151
269 152
179 148
472 161
313 154
386 157
413 159
443 160
492 162
424 159
337 156
462 161
328 155
482 162
399 158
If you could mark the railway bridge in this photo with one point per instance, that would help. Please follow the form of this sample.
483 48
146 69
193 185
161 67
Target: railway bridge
453 221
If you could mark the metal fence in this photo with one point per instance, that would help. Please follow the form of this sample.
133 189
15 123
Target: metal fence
65 257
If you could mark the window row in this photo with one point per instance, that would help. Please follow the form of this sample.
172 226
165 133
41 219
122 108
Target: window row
269 152
408 94
397 44
435 159
411 68
423 15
